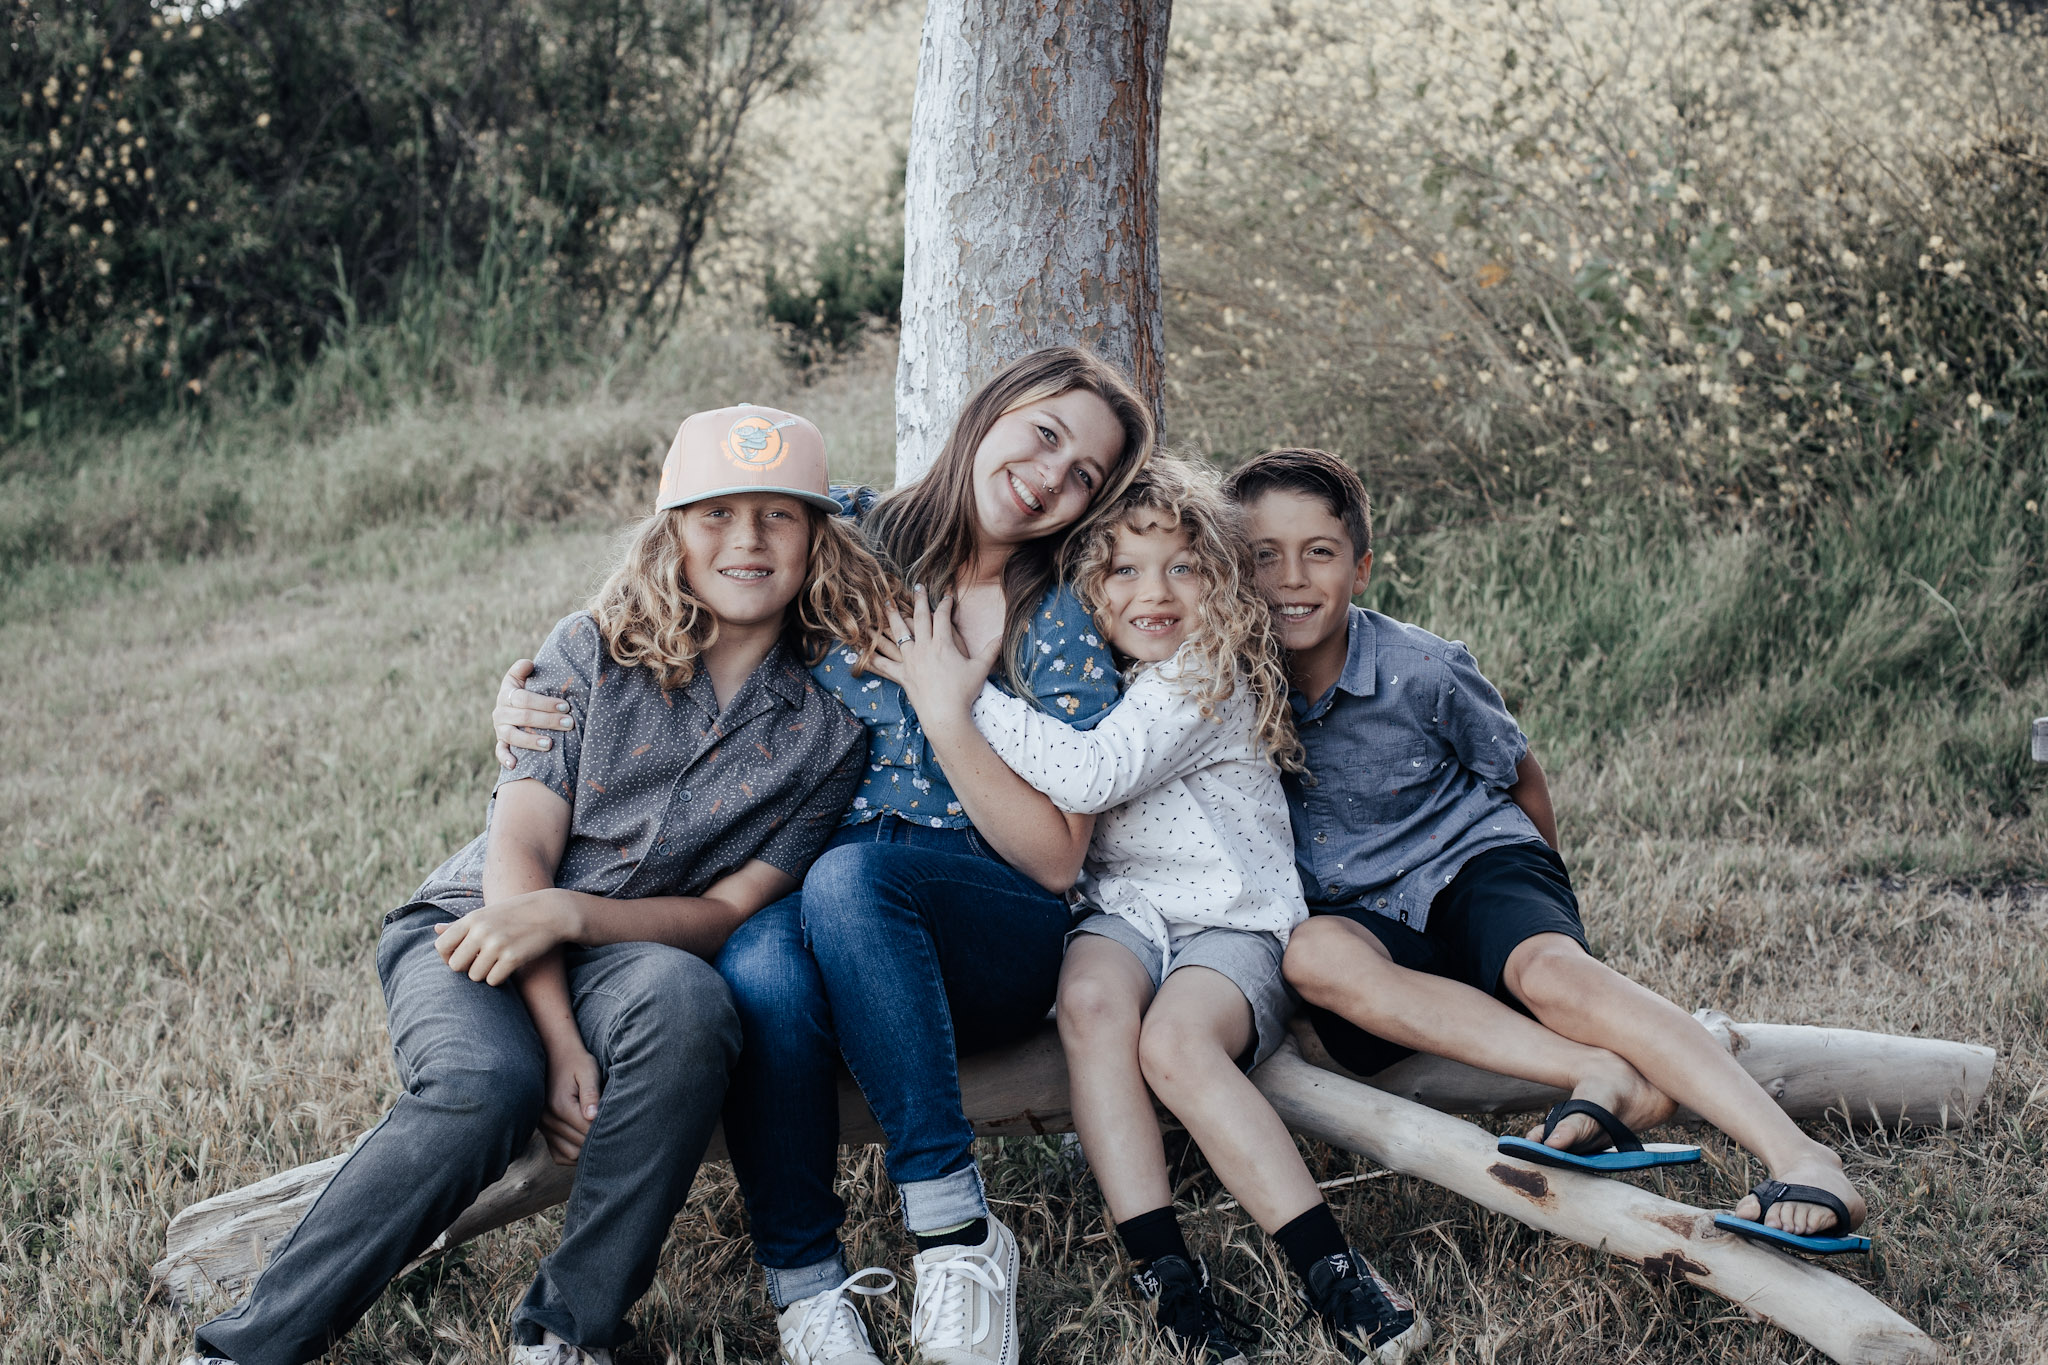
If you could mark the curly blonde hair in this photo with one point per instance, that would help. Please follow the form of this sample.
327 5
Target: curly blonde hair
649 615
1234 641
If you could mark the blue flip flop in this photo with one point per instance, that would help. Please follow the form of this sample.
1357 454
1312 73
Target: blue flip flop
1772 1192
1628 1152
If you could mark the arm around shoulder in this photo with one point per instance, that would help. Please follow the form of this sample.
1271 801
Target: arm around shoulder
1152 736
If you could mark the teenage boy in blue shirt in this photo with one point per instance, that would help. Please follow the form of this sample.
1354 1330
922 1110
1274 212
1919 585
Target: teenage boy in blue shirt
1442 919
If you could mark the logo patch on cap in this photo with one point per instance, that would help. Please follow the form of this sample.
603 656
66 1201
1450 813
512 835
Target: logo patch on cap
754 443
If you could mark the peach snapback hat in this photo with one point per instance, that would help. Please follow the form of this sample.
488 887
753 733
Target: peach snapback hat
744 449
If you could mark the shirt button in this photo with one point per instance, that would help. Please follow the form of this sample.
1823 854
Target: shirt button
1322 838
1333 888
684 797
1382 904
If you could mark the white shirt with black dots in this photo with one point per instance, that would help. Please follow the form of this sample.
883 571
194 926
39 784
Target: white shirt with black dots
1193 832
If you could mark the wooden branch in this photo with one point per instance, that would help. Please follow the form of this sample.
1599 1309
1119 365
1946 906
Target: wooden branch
1669 1241
1865 1078
215 1248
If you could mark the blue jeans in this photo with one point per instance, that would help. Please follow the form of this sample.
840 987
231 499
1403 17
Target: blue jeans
907 948
661 1025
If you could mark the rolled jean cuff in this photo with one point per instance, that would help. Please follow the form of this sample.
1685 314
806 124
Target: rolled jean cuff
785 1287
947 1202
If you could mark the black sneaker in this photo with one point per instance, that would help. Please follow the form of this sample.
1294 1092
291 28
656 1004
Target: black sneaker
1184 1312
1370 1318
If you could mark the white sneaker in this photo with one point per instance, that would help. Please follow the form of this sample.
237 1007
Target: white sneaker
560 1352
197 1359
826 1327
964 1310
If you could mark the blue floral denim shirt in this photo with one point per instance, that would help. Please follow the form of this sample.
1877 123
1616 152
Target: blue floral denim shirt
1067 668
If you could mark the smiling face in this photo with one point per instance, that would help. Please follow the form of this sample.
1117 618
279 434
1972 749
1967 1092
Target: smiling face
1151 591
1040 466
745 555
1308 574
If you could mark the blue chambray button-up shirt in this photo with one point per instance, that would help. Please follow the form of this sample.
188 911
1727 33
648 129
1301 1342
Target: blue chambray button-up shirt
1066 666
1410 755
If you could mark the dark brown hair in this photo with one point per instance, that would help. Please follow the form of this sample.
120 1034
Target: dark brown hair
1315 473
927 532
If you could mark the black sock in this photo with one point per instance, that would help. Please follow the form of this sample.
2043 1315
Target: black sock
1310 1238
1151 1235
973 1235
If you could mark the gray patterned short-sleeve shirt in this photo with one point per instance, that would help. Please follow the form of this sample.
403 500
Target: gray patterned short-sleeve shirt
1410 756
667 793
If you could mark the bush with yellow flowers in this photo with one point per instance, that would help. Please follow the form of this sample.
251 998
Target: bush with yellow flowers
1750 256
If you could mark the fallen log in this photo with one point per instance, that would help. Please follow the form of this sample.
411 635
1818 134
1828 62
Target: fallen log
1669 1241
1881 1079
216 1247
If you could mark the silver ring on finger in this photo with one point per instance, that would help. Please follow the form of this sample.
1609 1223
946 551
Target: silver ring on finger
905 640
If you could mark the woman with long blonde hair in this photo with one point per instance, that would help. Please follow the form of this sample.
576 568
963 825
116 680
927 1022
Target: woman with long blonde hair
934 924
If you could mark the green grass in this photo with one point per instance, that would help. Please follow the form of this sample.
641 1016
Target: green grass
1863 682
351 451
1765 752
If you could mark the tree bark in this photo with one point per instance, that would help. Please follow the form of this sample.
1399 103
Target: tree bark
1031 206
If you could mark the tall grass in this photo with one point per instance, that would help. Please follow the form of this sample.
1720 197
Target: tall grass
363 441
1880 663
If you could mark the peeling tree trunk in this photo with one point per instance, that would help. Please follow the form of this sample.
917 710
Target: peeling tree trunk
1031 203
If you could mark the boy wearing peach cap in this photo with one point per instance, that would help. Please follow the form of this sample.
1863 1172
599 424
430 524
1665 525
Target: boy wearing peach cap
552 976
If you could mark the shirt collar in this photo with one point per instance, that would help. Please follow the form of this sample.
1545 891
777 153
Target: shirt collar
784 675
777 675
1359 677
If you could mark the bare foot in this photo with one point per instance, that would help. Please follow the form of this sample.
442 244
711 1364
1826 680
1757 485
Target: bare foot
1821 1168
1618 1088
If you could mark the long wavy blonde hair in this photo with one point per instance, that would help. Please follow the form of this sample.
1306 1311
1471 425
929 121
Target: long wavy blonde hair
649 615
1234 642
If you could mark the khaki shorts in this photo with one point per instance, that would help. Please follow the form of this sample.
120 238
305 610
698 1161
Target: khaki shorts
1251 962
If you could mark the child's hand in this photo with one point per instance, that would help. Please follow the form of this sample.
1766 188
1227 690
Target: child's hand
572 1102
490 944
522 719
924 656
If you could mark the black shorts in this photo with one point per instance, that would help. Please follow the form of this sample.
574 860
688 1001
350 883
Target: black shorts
1499 899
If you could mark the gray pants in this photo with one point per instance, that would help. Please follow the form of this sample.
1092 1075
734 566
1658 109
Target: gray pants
662 1027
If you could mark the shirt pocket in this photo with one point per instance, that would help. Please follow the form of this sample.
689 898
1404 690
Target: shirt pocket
1396 782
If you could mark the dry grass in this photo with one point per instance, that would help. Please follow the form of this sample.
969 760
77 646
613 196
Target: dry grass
225 774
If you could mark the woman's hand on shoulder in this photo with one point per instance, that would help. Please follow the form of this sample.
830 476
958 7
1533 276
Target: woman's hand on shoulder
523 718
925 657
490 944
